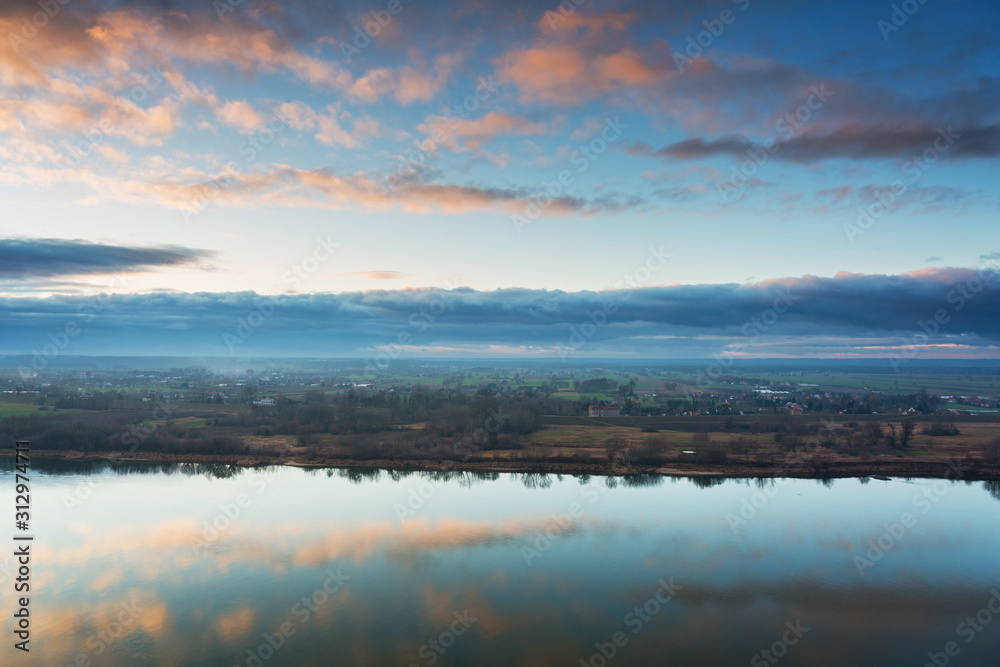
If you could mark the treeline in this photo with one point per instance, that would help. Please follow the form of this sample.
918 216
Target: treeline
496 421
596 386
102 433
102 400
849 404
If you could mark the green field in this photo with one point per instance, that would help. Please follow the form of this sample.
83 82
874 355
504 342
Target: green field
17 409
896 383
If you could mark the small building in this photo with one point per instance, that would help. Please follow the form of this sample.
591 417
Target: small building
604 411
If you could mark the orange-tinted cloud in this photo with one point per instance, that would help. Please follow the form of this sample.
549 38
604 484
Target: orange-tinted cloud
240 114
472 134
566 67
328 126
407 84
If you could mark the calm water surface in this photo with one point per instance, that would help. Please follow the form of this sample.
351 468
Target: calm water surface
191 565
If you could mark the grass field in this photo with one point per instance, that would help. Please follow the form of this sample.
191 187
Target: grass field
590 434
17 409
897 383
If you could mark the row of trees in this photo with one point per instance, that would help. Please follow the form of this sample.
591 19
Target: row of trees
446 413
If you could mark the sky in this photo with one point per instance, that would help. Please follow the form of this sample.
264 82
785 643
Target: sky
500 179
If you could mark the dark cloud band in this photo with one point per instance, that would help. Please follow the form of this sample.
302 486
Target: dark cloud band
22 259
937 307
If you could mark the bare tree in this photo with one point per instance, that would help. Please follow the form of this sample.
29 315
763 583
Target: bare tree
890 438
250 393
906 431
616 449
991 450
250 396
872 432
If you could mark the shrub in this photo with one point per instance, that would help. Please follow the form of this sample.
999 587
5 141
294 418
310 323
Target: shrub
790 443
712 455
306 435
616 449
652 451
991 451
940 428
739 445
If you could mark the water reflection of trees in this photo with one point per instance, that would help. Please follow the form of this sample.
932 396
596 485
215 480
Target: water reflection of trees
536 480
360 475
707 481
103 467
464 478
212 470
642 480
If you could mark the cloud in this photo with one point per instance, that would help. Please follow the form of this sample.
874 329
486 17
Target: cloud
285 187
471 135
23 258
853 141
407 84
114 40
847 315
328 126
593 55
241 115
566 74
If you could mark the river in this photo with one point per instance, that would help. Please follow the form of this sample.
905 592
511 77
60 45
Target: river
212 565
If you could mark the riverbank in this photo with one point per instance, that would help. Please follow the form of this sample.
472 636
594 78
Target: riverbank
967 469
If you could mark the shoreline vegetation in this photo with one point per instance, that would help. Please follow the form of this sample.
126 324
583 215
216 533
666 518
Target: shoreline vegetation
903 467
773 421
